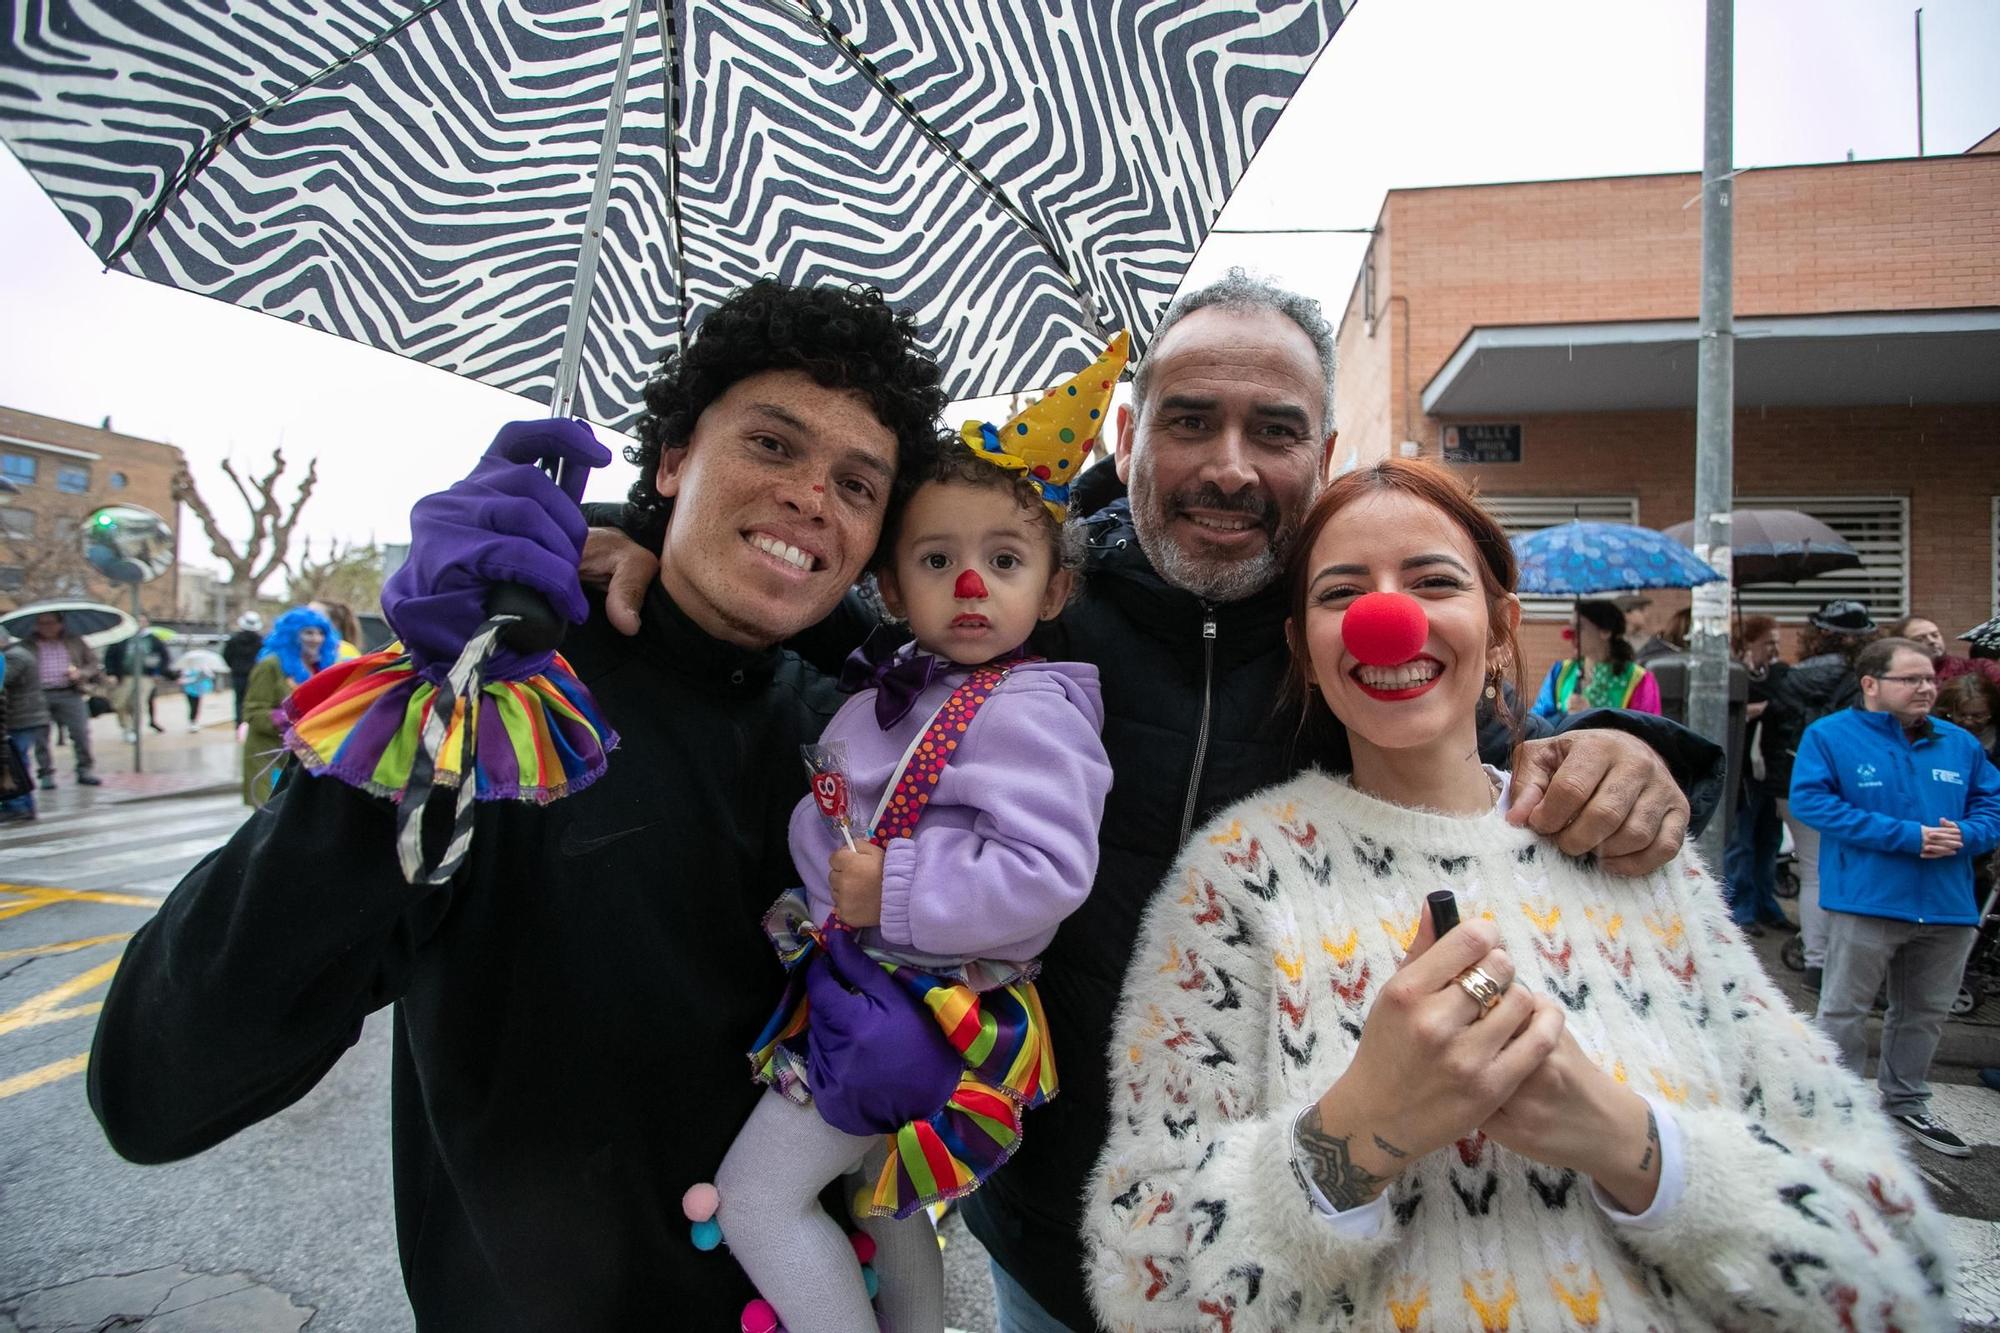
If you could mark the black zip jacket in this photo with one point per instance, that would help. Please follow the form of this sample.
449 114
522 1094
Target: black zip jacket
1796 696
572 1010
1191 725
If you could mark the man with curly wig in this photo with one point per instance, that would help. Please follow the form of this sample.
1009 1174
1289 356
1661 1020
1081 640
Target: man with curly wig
574 1005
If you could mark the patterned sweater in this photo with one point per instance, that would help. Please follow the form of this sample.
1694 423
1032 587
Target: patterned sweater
1257 964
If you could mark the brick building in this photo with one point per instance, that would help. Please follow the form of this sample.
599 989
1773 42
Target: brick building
61 471
1553 325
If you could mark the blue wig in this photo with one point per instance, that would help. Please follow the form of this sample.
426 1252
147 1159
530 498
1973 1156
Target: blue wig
283 642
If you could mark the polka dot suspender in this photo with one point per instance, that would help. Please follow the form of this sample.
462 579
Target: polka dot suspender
912 792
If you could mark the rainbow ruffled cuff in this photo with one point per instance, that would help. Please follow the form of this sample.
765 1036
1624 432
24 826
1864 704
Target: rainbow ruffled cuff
362 721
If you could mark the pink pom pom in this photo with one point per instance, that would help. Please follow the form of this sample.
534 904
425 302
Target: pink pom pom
759 1317
864 1246
1385 628
700 1202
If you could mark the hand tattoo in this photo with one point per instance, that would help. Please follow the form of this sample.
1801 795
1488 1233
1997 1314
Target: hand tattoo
1344 1184
1652 1138
1390 1148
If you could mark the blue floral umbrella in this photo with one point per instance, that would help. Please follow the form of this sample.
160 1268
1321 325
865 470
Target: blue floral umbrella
1572 559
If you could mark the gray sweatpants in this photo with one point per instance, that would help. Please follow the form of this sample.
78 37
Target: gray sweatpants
72 709
1924 965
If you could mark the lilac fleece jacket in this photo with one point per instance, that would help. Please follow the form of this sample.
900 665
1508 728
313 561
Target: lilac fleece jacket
1008 844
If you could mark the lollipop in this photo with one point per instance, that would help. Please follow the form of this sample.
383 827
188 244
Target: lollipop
827 765
1385 628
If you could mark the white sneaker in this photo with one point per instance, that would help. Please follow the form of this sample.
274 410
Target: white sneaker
131 736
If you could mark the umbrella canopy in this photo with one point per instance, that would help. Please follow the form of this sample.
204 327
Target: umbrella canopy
417 175
1984 636
203 659
1571 559
1777 546
100 625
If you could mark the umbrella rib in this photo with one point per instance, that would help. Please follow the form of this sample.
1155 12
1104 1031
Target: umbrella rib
805 12
676 251
198 160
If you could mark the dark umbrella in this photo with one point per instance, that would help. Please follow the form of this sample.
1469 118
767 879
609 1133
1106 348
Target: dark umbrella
95 622
1777 546
443 180
1985 636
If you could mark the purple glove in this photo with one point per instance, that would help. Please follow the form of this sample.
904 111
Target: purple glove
875 1058
505 523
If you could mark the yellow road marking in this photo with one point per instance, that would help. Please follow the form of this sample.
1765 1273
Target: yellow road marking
48 1006
38 896
35 1078
67 946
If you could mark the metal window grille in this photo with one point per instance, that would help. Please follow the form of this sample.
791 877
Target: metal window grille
1876 526
1530 513
17 523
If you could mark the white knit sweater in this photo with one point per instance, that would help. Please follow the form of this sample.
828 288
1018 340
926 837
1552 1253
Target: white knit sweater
1257 964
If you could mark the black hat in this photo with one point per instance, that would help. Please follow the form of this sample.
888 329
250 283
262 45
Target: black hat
1845 616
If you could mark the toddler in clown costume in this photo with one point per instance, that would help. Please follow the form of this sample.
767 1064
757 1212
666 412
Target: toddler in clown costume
980 776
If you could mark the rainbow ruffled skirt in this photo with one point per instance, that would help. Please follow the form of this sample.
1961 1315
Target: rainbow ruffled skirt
1000 1033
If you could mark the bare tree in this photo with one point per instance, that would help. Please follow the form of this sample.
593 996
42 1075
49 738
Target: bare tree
271 526
41 555
350 573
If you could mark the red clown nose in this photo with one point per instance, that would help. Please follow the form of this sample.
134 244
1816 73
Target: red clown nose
969 585
1385 628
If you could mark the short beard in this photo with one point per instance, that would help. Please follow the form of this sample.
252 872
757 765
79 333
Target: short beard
1211 579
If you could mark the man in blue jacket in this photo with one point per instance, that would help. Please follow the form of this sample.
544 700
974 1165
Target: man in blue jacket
1904 803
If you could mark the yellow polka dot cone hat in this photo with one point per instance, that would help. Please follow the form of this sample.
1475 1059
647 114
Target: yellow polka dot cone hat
1051 439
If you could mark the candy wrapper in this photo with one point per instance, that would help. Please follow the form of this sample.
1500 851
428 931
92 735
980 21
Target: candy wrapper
827 765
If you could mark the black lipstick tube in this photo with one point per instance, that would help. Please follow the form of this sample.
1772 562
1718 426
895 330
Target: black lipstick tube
1444 912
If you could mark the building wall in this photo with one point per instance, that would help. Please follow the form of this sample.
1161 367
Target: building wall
1912 234
1848 237
1946 459
147 468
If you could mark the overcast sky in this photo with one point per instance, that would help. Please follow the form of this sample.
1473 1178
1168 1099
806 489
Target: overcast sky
1410 93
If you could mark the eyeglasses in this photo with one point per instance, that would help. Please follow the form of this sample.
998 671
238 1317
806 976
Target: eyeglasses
1914 682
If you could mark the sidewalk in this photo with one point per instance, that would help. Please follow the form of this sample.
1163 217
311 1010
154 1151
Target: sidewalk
177 762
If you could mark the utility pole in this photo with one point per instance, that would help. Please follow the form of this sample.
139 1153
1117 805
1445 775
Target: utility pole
1715 407
1920 83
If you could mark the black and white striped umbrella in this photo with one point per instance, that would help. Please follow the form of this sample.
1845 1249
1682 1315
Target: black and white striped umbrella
1022 175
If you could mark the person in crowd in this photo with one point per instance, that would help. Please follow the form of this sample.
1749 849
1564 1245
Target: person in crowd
68 669
239 652
1973 702
197 683
1582 1108
24 720
341 616
300 643
967 854
1903 802
1679 625
1604 672
1638 611
1183 615
1948 665
575 1003
1750 863
135 665
1822 682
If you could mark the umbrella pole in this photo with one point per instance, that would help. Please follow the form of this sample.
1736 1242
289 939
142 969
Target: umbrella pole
593 231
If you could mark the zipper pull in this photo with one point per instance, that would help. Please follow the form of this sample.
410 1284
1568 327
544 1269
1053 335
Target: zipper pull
1207 621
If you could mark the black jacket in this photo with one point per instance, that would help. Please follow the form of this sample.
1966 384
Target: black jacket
572 1011
1191 725
1795 698
239 651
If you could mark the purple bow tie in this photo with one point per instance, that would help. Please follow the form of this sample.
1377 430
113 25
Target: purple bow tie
897 680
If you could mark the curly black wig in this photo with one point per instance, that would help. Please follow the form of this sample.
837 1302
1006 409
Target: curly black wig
844 337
